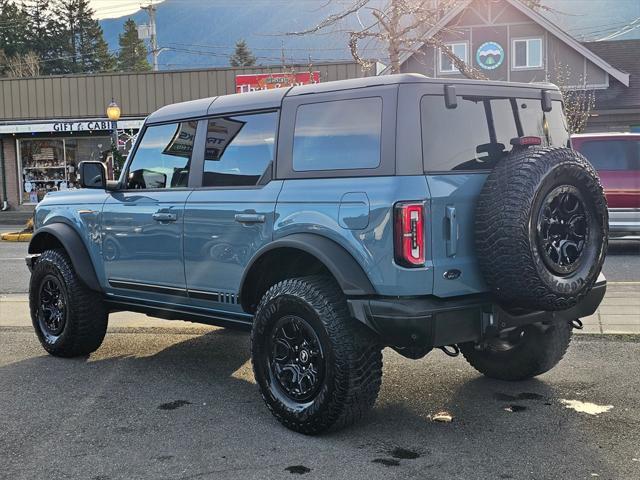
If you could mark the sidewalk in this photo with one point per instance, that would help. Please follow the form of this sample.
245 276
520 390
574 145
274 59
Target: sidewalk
619 313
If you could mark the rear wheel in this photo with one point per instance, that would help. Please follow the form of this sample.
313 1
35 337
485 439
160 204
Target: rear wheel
69 318
521 353
316 367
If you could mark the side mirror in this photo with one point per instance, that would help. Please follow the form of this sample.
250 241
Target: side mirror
93 175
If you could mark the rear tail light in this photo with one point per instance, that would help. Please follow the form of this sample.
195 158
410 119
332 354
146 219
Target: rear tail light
409 234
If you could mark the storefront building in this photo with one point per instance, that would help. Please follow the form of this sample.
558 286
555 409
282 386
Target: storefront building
50 124
47 154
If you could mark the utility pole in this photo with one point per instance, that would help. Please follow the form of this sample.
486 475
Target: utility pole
155 51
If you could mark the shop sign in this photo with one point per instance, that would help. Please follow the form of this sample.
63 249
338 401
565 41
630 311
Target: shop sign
70 126
268 81
490 55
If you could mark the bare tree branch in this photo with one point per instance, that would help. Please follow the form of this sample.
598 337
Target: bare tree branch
332 19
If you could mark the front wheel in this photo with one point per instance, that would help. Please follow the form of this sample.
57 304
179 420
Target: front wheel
69 319
520 353
316 367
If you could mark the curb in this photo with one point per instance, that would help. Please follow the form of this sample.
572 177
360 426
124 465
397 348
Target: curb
16 236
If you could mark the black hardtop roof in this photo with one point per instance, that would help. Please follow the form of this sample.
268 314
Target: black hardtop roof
267 99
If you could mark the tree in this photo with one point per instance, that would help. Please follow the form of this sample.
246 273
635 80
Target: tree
20 65
133 52
242 56
578 100
81 39
400 25
42 35
13 27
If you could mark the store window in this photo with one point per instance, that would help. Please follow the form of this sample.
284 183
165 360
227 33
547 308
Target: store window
527 53
460 51
51 164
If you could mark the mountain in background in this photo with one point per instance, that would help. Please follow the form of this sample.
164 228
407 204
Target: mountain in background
201 33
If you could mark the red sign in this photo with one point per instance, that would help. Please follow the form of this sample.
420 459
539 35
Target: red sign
267 81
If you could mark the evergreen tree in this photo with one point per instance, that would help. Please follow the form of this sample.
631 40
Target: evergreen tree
242 56
133 52
42 35
13 28
81 40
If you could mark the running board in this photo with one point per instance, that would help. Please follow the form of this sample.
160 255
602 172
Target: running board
241 321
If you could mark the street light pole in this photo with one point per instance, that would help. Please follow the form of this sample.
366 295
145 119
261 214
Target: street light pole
113 113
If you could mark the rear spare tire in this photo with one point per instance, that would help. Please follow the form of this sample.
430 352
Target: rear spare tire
541 228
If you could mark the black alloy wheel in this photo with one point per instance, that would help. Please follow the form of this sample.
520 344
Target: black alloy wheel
317 368
69 319
563 229
296 360
52 311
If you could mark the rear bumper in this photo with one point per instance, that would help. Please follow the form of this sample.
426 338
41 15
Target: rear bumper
434 322
624 221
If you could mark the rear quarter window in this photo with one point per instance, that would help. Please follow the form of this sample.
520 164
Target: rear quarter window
338 135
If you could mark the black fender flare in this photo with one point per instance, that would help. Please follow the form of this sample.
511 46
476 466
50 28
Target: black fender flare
340 263
74 246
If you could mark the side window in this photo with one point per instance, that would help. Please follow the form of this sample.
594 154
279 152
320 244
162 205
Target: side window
238 149
163 157
608 154
338 135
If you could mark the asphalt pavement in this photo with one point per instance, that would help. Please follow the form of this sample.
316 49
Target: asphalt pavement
172 404
173 400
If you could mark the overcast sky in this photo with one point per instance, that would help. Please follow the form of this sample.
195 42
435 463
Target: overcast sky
116 8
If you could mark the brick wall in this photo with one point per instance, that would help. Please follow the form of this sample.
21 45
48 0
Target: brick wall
11 171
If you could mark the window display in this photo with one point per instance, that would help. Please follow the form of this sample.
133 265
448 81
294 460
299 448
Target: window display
51 164
43 168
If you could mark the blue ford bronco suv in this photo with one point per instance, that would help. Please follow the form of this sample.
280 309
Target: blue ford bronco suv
333 220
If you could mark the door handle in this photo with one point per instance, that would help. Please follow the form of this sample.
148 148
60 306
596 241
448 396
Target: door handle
249 218
452 233
164 217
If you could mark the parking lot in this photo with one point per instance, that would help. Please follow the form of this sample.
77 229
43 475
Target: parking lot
178 401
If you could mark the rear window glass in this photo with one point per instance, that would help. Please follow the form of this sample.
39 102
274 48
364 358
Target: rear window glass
478 132
338 135
612 154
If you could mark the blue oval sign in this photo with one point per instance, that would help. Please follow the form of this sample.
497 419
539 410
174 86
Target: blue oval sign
490 55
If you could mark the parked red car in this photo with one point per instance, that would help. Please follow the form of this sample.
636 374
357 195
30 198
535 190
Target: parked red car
616 157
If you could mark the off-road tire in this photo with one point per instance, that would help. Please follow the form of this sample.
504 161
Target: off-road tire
353 367
86 315
538 351
507 236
